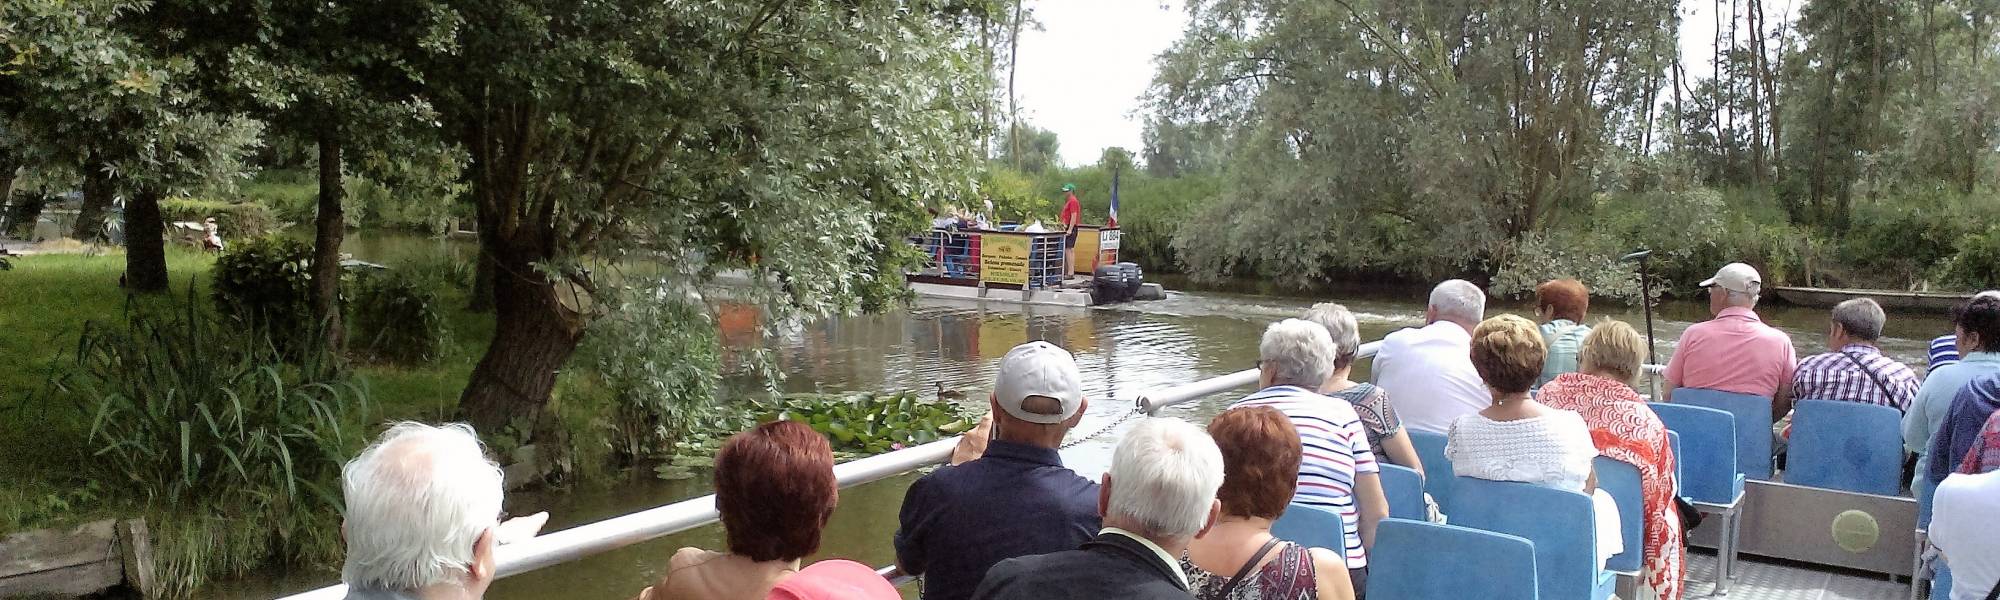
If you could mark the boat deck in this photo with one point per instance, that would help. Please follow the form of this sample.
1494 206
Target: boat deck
1774 580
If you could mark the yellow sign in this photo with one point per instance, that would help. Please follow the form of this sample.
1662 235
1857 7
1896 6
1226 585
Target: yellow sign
1003 258
1083 258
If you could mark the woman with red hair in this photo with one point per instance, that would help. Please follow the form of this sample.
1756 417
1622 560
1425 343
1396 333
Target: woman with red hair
1561 305
1260 471
775 489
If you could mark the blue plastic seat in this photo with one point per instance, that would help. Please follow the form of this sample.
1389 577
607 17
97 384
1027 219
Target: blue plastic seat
1437 469
1312 527
1558 522
1406 563
1848 446
1621 480
1753 425
1405 489
1710 479
1680 466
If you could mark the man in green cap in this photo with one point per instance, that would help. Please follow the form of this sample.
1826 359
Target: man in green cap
1072 216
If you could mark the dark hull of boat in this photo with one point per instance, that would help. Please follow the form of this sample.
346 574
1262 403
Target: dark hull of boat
1889 299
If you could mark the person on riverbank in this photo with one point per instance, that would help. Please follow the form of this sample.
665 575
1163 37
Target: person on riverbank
1855 370
1976 323
775 489
1158 497
1624 428
421 515
1260 465
1017 498
1428 370
1339 473
1519 439
1561 304
1735 351
1386 437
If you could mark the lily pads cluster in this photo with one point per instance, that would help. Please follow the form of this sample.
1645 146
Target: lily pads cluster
857 424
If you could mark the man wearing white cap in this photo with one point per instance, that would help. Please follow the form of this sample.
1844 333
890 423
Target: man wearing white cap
1735 351
1017 499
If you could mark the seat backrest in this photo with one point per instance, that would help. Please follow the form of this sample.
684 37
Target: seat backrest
1405 489
1708 451
1312 527
1409 562
1621 480
1559 522
1753 425
1437 469
1851 446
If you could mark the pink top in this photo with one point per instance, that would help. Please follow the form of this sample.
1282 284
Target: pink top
1734 352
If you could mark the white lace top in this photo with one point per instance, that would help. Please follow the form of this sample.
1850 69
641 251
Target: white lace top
1553 449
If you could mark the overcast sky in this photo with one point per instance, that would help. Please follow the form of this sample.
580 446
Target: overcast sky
1082 75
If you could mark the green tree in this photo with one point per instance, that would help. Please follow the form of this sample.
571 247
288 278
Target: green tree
1115 159
1854 54
1173 149
1039 150
791 140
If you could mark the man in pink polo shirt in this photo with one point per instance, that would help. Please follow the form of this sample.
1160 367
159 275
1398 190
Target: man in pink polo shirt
1735 351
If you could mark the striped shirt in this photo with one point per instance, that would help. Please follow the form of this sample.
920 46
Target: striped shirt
1832 376
1336 448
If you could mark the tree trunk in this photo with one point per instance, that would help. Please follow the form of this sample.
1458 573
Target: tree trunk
329 227
533 336
9 167
97 192
483 269
145 243
1013 108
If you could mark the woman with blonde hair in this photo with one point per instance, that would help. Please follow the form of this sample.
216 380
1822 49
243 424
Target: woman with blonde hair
1519 439
1625 429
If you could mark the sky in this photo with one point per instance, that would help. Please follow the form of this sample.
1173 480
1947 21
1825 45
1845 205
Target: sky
1082 75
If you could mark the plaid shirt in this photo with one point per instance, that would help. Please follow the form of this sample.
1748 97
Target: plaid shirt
1831 376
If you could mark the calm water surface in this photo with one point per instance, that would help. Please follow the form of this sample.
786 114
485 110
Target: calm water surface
1122 351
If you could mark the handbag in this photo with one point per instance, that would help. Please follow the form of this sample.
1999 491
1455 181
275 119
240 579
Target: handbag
1690 516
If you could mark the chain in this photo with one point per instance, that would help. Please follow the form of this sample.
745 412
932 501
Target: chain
1136 411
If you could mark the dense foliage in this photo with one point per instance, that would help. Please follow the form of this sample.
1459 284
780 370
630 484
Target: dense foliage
263 285
205 421
234 220
397 317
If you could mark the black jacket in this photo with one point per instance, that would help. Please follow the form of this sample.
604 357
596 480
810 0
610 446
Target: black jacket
1110 567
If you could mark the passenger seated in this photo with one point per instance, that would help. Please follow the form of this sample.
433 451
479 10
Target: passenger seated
1855 370
1386 437
1963 529
1944 348
1977 325
1623 428
422 516
1735 352
1158 497
775 489
1562 305
1017 498
1985 453
1340 473
835 580
1977 402
1425 370
1519 439
1260 466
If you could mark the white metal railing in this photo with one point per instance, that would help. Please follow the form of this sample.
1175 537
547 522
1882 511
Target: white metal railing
610 534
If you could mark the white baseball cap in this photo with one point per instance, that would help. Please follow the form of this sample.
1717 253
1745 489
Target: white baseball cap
1039 369
1736 277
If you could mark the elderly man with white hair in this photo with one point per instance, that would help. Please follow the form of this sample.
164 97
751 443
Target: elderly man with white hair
1735 351
1338 471
1428 370
423 508
1158 497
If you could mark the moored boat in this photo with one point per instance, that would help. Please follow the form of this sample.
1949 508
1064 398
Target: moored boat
1889 299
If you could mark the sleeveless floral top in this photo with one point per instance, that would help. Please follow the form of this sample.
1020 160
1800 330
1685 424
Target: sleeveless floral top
1290 576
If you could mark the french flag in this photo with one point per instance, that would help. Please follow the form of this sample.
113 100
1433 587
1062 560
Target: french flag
1112 219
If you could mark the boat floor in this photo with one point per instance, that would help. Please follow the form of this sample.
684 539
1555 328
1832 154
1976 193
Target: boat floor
1761 579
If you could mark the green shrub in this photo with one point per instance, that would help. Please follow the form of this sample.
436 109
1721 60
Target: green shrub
439 270
658 357
265 284
193 416
234 220
1976 262
394 317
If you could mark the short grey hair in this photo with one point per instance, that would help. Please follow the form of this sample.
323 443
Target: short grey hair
1164 475
1458 299
1339 323
417 501
1736 298
1298 352
1861 318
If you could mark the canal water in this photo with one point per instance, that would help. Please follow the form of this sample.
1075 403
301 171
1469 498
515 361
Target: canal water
1122 351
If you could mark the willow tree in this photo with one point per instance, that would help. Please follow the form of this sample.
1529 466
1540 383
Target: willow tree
637 144
1424 135
84 82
